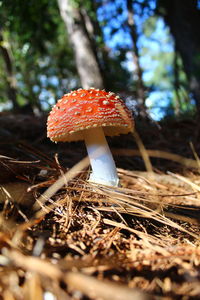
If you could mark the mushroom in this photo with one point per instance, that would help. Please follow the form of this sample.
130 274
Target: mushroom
89 115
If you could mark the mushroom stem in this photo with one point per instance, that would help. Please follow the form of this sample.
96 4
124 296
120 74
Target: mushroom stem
101 159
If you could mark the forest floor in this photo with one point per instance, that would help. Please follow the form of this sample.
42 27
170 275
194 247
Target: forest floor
63 238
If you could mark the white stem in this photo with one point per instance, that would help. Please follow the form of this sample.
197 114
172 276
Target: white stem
101 160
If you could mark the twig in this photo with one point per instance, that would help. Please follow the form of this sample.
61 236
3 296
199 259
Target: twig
187 162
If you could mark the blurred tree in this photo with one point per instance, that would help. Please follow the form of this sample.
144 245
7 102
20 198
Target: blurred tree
79 30
118 21
140 91
110 62
10 78
183 18
163 68
100 59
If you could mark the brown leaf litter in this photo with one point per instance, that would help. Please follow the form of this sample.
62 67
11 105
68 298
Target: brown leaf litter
64 238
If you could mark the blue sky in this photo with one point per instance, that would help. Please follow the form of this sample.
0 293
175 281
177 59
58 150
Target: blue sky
160 41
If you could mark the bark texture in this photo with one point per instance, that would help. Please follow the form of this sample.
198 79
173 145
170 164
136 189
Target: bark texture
86 60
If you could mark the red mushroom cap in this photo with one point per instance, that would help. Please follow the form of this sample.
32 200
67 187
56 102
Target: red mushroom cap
83 109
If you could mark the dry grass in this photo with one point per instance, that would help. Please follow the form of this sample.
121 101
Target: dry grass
65 238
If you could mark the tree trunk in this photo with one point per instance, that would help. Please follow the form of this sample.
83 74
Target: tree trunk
10 78
101 51
183 19
176 85
86 61
140 92
94 31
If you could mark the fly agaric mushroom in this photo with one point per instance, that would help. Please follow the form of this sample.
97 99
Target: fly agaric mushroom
89 115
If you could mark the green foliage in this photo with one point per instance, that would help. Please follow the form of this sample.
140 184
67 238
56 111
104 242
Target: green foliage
41 55
149 26
33 21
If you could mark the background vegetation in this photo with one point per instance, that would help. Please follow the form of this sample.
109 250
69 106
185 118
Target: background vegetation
147 51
